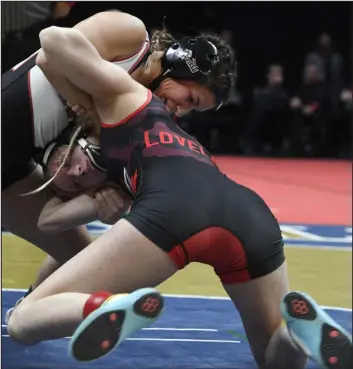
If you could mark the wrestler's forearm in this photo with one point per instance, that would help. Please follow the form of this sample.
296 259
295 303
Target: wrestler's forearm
70 53
58 216
68 91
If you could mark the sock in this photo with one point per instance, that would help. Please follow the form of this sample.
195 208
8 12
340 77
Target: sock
95 301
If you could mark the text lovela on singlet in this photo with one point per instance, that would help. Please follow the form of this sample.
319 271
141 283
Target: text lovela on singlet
167 138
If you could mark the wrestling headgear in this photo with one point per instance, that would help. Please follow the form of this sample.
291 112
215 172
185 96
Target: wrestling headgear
190 58
92 150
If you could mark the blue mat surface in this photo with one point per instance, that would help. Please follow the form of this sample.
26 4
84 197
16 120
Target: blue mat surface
192 333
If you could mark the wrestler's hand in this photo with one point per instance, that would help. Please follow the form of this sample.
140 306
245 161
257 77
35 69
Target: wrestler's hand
110 203
78 110
85 114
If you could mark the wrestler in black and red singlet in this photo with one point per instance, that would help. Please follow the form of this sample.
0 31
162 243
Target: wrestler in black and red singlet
184 204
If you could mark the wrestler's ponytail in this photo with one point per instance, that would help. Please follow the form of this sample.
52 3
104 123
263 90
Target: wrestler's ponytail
161 40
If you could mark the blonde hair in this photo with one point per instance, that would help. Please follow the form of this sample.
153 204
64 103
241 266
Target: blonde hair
82 125
161 40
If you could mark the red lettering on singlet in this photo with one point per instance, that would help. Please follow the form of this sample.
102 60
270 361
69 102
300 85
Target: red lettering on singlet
202 151
193 146
181 140
148 143
166 138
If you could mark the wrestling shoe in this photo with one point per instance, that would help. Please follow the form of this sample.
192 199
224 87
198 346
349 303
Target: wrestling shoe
316 333
11 310
119 317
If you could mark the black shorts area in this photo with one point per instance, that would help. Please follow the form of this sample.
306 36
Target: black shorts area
16 128
199 215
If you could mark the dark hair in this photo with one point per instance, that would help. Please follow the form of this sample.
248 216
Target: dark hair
222 79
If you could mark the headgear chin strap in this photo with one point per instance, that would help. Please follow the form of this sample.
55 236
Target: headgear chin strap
91 150
190 58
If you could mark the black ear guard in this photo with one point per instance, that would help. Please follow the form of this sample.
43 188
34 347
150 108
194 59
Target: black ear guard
191 58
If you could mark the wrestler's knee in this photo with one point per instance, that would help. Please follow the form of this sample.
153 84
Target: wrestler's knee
18 327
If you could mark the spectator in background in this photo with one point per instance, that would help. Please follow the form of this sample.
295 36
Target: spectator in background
330 64
21 22
340 127
227 36
266 126
309 106
346 112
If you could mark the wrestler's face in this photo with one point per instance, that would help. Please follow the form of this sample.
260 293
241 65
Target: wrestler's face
78 173
183 96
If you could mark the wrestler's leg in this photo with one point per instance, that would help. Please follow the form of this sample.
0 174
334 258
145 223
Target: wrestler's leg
258 302
122 260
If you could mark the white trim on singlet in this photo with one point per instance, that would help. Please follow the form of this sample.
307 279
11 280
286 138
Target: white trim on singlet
49 113
130 63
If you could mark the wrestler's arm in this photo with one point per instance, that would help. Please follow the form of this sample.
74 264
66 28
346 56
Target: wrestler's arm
112 34
69 92
112 88
108 204
59 216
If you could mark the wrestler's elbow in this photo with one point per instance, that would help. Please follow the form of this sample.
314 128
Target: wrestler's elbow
50 39
57 41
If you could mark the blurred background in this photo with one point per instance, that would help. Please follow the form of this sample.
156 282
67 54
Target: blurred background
293 96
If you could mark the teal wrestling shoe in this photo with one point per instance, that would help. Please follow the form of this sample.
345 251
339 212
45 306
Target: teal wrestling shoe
316 333
119 317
